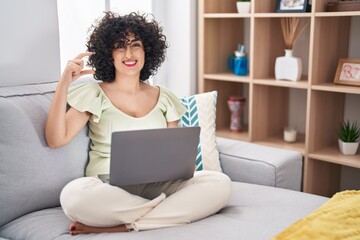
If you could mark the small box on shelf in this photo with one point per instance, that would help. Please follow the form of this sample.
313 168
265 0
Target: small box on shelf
343 6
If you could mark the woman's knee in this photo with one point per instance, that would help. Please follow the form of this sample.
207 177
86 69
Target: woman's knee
223 185
217 181
75 192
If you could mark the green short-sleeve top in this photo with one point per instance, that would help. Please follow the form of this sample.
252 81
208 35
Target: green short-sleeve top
106 118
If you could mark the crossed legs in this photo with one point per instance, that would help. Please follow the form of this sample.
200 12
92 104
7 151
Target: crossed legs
98 207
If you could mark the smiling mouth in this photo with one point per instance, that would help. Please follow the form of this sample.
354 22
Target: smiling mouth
131 63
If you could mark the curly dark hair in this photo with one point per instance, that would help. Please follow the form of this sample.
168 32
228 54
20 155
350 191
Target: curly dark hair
111 32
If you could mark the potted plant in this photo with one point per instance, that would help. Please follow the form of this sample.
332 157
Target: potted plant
243 6
348 137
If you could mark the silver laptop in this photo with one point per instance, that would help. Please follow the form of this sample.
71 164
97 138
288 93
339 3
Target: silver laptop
153 155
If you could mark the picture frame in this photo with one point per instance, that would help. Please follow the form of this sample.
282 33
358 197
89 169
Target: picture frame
348 72
288 6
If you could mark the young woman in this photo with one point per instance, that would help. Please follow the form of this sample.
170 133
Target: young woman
123 52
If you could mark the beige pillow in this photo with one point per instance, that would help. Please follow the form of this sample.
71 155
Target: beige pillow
201 111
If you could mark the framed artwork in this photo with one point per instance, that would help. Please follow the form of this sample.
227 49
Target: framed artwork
291 5
348 72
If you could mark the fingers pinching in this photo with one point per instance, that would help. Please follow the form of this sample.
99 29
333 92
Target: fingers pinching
84 54
85 72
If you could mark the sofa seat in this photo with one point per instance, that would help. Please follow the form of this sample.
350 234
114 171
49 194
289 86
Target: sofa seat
254 212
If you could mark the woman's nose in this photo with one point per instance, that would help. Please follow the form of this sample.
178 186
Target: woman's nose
128 51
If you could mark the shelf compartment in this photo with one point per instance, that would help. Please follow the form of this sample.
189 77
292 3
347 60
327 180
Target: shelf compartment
321 178
326 56
323 170
321 5
275 108
262 6
332 154
266 49
227 76
225 90
224 40
219 6
326 111
302 84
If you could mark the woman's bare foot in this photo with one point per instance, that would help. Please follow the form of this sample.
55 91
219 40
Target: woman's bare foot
79 228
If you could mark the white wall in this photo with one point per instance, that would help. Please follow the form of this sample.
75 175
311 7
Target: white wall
29 49
75 18
126 6
179 20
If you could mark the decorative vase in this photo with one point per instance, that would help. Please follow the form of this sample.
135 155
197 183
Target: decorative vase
288 67
348 148
236 106
243 7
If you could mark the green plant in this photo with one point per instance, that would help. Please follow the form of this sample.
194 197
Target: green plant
243 0
349 132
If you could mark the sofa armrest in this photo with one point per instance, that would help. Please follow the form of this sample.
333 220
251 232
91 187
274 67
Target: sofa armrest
257 164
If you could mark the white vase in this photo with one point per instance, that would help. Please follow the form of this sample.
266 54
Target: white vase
288 67
348 148
243 7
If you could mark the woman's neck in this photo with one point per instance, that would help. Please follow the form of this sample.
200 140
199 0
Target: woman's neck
127 83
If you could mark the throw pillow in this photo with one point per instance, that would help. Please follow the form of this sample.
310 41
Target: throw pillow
201 111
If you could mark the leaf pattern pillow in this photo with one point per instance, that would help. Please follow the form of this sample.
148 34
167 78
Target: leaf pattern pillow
201 111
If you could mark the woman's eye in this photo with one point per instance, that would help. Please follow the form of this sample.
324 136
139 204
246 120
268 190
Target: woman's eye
136 45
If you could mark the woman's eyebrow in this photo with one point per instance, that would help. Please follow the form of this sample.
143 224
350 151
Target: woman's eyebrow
135 40
128 41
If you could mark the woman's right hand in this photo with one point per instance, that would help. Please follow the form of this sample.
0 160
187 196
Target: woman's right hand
63 125
74 68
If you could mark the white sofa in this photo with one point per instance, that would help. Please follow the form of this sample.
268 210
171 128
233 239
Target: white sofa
266 181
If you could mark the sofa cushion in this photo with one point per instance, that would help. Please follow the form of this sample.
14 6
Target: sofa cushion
201 111
253 212
31 174
253 163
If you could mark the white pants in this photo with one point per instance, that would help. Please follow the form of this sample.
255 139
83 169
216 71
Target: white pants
147 206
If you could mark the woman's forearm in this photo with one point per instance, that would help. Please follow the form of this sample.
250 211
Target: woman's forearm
55 130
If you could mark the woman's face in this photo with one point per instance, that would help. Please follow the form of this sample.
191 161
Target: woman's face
130 59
